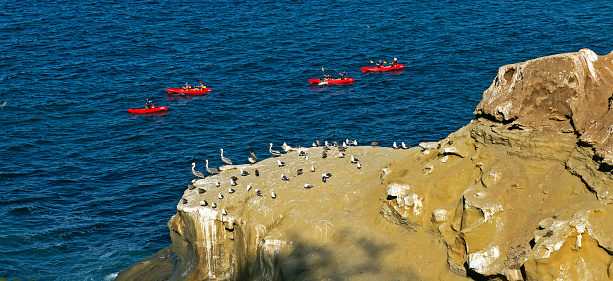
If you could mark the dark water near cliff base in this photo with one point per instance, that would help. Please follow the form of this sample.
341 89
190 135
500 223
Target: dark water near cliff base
87 189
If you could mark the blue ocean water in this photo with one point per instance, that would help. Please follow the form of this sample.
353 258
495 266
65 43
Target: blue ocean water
86 189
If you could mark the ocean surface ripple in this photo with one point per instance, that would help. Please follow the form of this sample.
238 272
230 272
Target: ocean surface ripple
87 188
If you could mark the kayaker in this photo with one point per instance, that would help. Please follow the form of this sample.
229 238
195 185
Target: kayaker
149 104
186 87
395 63
202 87
344 75
380 65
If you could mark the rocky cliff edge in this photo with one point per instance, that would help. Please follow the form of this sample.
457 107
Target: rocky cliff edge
520 193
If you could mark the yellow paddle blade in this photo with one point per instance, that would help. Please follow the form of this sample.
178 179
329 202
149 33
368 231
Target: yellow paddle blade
371 62
384 62
322 68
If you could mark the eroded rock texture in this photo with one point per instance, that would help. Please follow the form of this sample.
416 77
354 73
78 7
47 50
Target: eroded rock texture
520 193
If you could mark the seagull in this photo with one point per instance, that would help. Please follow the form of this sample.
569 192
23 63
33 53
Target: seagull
342 148
299 172
218 184
355 143
233 181
273 195
313 145
258 192
203 203
326 143
230 190
324 154
317 142
325 148
341 155
335 143
196 173
275 153
394 145
257 173
404 145
302 153
183 200
225 159
213 205
281 164
325 176
249 187
201 190
359 165
252 159
212 171
219 196
223 212
354 160
286 147
375 143
190 187
283 177
244 173
307 186
312 168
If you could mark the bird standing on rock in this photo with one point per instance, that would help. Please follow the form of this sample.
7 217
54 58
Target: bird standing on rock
257 173
223 212
244 173
213 205
394 145
286 148
299 172
273 195
225 159
203 203
354 160
325 176
359 165
324 154
230 190
404 145
312 168
183 200
252 159
281 164
284 178
275 153
258 192
233 181
219 196
307 186
196 173
212 171
218 184
249 187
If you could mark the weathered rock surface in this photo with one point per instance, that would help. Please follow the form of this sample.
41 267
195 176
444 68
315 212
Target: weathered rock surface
520 193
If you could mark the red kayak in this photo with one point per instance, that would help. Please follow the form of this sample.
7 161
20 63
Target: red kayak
385 68
332 81
150 110
188 92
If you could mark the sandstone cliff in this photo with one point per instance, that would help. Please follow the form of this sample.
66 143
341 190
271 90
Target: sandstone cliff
520 193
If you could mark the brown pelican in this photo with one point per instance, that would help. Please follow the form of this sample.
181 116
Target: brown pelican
225 159
252 159
196 173
275 153
212 171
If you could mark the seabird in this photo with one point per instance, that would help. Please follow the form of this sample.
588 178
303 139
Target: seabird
203 203
257 173
286 147
230 190
223 212
183 200
244 173
394 145
359 165
325 148
324 154
218 184
219 196
3 104
317 142
252 159
306 157
299 172
347 142
281 164
233 182
404 146
275 153
273 195
326 143
355 143
335 143
301 153
342 148
285 178
225 159
196 173
213 205
341 155
201 190
307 186
312 168
375 143
258 192
325 176
190 186
354 160
313 145
212 171
249 187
